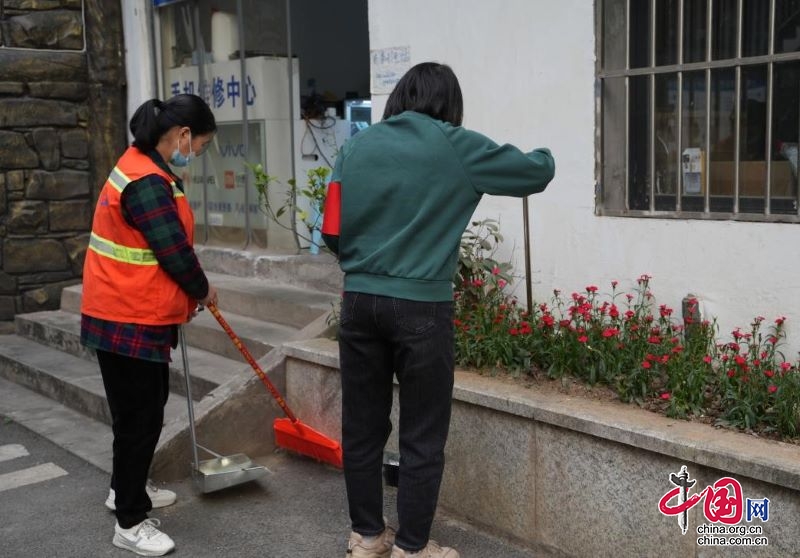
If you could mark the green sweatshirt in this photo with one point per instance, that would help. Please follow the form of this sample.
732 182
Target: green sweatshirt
410 185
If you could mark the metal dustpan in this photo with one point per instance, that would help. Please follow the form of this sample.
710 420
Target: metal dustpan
222 471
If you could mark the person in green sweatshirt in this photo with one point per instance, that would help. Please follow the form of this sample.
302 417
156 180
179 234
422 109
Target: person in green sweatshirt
401 195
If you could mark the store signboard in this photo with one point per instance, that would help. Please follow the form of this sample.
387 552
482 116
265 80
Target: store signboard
264 87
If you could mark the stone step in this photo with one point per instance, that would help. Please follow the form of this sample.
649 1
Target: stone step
319 272
82 436
62 330
269 301
69 380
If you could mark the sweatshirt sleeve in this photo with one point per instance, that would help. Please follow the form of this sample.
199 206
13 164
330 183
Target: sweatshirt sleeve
501 170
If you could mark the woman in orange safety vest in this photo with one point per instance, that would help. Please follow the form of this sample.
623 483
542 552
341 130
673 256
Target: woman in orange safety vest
142 279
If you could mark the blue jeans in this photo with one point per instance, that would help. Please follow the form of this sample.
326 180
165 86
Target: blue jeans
380 337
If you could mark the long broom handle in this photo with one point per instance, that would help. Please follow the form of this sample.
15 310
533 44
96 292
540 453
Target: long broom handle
246 353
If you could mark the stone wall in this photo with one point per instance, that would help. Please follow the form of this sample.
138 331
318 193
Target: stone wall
62 115
574 477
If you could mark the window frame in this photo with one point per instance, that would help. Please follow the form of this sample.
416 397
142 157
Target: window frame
611 192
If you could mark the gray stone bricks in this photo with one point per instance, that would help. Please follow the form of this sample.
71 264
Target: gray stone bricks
50 166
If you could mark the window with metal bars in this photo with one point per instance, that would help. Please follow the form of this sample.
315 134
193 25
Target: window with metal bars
699 108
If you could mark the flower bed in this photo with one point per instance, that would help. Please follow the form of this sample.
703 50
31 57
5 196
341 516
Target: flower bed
645 353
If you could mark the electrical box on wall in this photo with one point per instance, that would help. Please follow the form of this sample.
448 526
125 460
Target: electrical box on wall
693 168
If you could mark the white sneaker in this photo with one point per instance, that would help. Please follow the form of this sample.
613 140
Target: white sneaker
143 539
159 497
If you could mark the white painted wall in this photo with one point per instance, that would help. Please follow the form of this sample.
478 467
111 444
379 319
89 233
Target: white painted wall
526 69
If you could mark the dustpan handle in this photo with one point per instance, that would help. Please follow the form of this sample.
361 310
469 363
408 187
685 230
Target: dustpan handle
246 353
187 377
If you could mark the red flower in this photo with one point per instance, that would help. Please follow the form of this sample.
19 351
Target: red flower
613 311
654 339
610 332
772 388
548 320
665 311
513 331
495 270
629 314
779 321
614 284
665 396
707 359
564 323
501 283
785 366
646 364
769 373
583 339
591 289
731 373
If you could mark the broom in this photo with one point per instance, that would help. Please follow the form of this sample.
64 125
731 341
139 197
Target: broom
290 433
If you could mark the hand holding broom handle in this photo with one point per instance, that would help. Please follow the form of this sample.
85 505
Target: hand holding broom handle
249 357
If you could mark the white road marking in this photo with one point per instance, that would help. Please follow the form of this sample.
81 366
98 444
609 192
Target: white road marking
31 475
12 451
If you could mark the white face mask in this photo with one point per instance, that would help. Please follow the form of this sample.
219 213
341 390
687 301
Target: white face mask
178 159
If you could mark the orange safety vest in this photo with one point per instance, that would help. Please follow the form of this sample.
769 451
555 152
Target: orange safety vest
122 280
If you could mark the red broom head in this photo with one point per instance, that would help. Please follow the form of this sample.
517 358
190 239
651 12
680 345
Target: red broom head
301 438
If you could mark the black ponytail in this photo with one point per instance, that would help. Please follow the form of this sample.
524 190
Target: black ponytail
154 118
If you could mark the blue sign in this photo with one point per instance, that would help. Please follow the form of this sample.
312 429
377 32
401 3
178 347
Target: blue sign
162 3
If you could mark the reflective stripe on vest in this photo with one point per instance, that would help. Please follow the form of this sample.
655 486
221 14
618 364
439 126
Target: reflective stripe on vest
119 181
135 256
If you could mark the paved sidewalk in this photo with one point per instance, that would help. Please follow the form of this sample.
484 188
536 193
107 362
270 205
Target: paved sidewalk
298 511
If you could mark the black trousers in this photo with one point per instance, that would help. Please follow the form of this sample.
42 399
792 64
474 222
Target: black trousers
137 391
378 338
